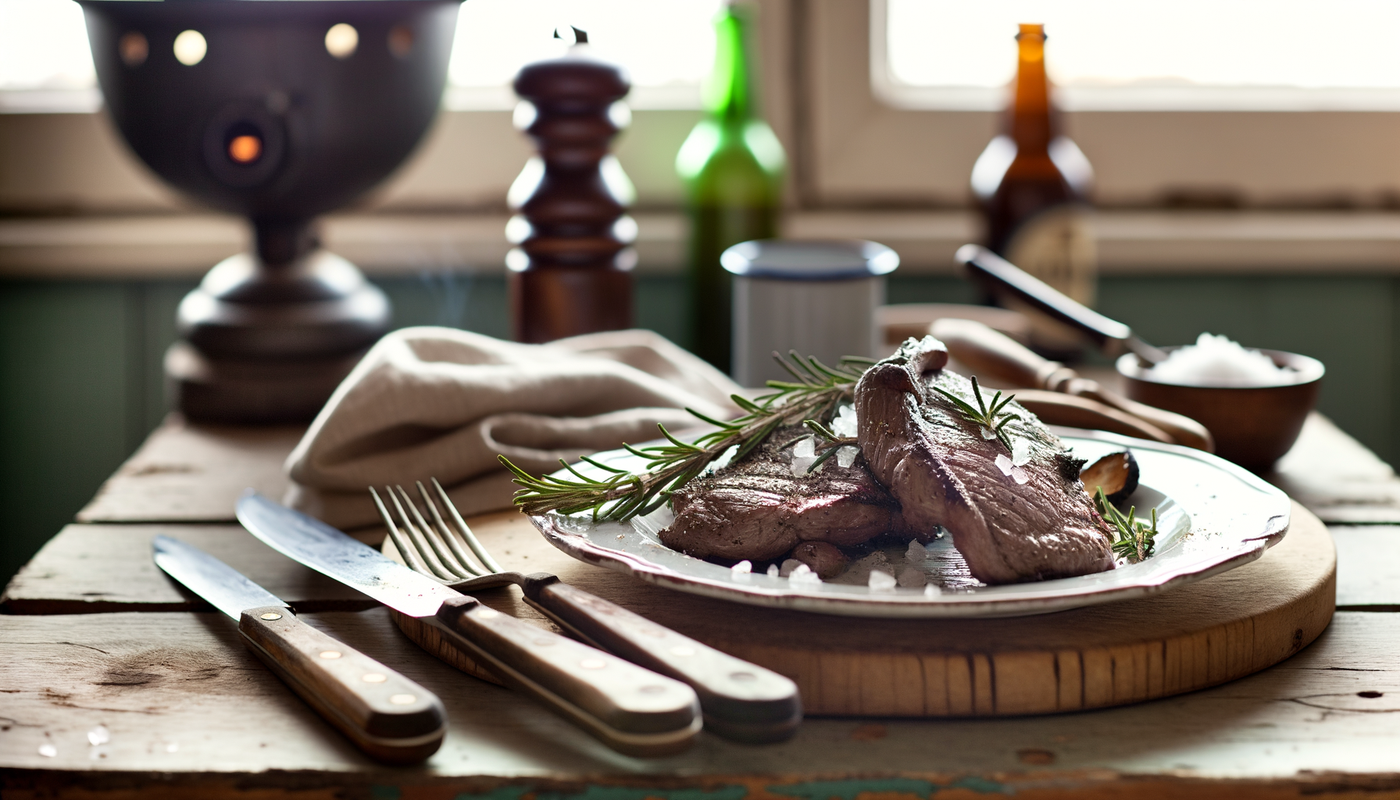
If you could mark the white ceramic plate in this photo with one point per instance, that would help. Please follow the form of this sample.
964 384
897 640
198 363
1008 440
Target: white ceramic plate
1212 516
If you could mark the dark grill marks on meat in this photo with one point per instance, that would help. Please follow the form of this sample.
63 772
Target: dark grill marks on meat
757 509
942 471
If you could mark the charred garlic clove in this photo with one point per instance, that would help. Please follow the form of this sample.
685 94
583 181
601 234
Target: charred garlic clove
1115 473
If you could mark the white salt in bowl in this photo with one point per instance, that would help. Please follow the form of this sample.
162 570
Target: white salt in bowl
1253 426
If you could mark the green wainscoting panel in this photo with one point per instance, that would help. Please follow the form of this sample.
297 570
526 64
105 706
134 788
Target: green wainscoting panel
81 383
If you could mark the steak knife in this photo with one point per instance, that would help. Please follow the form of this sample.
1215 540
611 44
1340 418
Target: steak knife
386 715
631 709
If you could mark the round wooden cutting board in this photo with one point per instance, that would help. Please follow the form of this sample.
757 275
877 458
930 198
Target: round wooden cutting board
1199 635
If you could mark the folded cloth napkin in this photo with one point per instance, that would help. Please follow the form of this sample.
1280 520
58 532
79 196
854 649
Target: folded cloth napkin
444 403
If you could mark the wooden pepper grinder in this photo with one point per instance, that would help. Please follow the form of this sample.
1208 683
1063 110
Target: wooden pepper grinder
570 272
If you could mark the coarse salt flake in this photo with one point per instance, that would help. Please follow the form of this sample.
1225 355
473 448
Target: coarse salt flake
844 424
912 578
916 553
882 581
772 570
846 456
1004 464
804 574
1020 452
932 590
742 568
99 736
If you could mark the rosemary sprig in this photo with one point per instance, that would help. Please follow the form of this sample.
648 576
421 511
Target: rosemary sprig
814 393
1135 539
991 416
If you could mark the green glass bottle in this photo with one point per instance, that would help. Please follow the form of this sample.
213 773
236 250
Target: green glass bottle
732 166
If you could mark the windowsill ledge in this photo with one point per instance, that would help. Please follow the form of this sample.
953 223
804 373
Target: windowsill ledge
1130 242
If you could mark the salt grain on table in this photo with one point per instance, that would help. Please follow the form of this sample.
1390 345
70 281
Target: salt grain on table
99 736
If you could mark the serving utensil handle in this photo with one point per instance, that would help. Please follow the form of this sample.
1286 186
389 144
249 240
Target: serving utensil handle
740 700
386 715
1002 278
631 709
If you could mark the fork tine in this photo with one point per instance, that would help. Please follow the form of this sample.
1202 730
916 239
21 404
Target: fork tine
446 533
415 537
466 531
447 558
405 548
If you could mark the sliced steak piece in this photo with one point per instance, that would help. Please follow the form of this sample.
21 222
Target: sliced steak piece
757 509
943 471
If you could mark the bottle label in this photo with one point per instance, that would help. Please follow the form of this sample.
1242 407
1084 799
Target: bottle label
1057 246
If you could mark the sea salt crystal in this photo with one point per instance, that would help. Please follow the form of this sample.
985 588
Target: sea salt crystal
99 736
804 574
882 581
1020 452
772 570
987 433
916 553
1012 470
912 578
1218 361
846 456
48 750
804 453
932 590
742 568
789 564
844 424
1004 464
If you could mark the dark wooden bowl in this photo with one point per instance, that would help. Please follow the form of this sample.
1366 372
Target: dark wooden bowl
1253 427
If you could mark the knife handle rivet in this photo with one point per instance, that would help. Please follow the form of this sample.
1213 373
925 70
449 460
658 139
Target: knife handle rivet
270 616
374 677
592 663
330 654
402 699
682 650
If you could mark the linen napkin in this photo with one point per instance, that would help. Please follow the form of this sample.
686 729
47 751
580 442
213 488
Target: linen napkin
440 402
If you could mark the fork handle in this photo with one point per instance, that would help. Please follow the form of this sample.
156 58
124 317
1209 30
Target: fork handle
740 700
631 709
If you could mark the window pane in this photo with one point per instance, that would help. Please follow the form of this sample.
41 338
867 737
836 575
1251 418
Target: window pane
1270 48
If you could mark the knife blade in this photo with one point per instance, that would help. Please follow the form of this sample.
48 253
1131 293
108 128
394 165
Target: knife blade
629 708
386 715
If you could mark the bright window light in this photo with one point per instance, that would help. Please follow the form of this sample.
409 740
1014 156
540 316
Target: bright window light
666 46
1217 53
43 45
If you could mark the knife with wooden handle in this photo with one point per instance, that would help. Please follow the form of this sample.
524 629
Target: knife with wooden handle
631 709
386 715
994 354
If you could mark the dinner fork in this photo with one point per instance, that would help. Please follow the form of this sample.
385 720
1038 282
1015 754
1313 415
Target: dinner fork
740 700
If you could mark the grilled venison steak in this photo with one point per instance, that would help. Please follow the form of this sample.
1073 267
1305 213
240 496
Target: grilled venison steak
943 471
757 509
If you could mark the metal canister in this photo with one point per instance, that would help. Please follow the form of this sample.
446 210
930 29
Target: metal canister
815 297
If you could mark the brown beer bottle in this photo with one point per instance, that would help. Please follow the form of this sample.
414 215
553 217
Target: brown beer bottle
1032 185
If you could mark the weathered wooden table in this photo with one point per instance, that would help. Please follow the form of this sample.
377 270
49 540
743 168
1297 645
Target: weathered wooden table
111 687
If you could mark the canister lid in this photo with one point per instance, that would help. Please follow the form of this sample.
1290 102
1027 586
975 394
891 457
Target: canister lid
809 260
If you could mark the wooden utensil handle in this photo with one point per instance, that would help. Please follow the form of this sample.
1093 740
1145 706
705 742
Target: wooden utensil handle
1002 278
386 715
631 709
992 354
740 700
